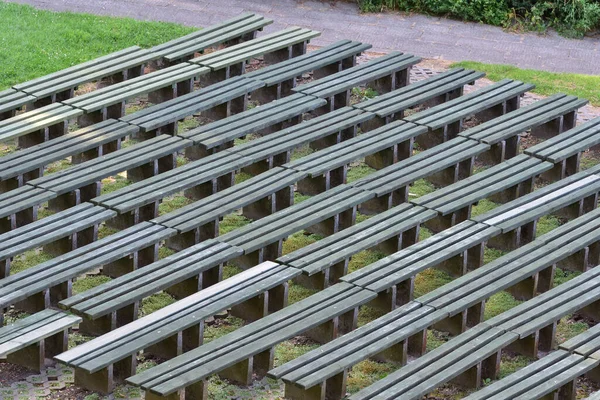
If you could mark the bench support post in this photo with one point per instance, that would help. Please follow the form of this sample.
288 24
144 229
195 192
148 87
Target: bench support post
252 309
31 357
294 392
240 372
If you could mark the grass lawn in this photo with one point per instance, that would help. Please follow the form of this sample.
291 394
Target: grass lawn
39 42
36 42
547 83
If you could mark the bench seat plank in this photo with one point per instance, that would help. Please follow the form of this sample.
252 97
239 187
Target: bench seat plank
80 141
335 248
587 343
225 130
159 325
253 48
34 328
251 339
353 77
419 92
11 99
210 36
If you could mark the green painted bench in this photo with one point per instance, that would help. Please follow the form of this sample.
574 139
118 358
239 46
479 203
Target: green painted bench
19 167
564 150
116 303
523 272
442 165
380 148
535 321
453 251
178 328
240 28
39 125
58 233
274 47
19 207
437 89
216 101
29 341
82 182
48 283
249 350
503 133
322 373
160 86
112 68
320 132
12 100
445 120
198 179
257 198
464 360
324 262
502 183
282 77
586 344
570 198
550 377
271 117
383 74
323 214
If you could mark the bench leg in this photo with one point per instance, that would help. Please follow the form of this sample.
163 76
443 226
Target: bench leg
268 253
133 217
374 123
91 118
475 256
33 139
263 362
396 354
383 85
385 202
267 94
163 94
142 172
252 309
56 344
192 337
384 158
386 300
4 269
545 279
495 155
490 367
37 302
324 332
240 372
318 281
188 239
183 394
7 114
278 297
99 326
527 346
443 222
455 266
31 357
525 289
335 224
168 348
348 321
294 392
260 208
61 292
111 80
315 185
101 381
471 378
327 70
417 344
326 141
335 387
61 246
579 208
591 311
475 314
202 190
455 325
185 288
547 337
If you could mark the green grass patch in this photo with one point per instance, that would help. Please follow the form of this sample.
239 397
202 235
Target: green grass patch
37 42
89 282
27 260
546 83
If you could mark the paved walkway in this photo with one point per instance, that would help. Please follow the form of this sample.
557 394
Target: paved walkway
425 36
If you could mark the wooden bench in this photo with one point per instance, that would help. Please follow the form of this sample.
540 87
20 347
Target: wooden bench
236 356
324 214
240 28
116 303
29 341
38 126
274 47
383 74
594 396
324 262
320 132
534 321
265 119
455 251
20 206
503 133
550 377
464 360
502 183
281 78
437 89
380 148
216 101
12 100
82 182
198 179
111 68
564 150
257 198
19 167
58 233
523 272
46 284
160 86
586 344
570 197
322 373
445 120
178 327
442 165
